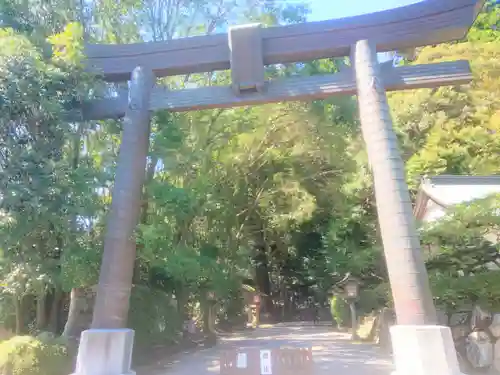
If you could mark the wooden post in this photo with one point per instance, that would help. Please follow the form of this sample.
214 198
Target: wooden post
115 280
405 264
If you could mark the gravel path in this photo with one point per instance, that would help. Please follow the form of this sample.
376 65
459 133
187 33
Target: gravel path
333 352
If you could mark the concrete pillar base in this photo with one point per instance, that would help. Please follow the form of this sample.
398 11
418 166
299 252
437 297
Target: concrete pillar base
423 350
105 352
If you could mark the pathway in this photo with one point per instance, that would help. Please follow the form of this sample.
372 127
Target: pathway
333 353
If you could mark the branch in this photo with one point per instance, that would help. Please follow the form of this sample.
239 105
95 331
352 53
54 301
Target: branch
250 211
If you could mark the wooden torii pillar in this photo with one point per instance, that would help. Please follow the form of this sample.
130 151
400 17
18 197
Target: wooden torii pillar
420 347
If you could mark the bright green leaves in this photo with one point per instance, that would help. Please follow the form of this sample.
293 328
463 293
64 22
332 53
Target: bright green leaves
452 129
487 25
49 195
68 45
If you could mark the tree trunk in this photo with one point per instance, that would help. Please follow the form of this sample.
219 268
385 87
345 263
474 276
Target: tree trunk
150 173
262 280
205 305
405 264
55 310
181 297
41 313
209 323
211 318
79 313
117 269
18 305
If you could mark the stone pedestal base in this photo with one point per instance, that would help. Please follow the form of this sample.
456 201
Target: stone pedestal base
423 350
105 352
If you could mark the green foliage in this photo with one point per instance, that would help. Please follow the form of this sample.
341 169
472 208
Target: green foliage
192 238
486 27
452 293
373 299
6 311
231 310
26 355
462 247
465 240
454 129
48 186
339 309
154 317
68 46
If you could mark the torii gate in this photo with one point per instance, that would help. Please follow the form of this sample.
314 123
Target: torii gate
420 347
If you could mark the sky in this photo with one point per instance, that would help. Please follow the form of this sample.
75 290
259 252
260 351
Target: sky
328 9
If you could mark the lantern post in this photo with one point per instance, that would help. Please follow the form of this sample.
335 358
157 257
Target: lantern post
350 292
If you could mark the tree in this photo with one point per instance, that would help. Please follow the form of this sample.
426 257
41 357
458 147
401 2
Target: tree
463 254
454 129
43 193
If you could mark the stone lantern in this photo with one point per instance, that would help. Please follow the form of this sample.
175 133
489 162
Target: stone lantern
350 292
351 288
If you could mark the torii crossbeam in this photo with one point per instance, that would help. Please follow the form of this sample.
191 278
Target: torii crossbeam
425 23
420 347
419 24
282 90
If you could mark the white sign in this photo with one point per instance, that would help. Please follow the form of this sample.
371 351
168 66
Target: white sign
241 360
265 362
